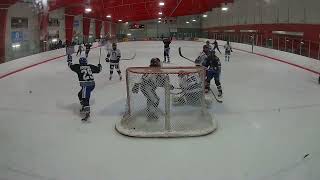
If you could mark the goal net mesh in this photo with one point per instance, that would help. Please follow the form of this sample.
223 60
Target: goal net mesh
165 102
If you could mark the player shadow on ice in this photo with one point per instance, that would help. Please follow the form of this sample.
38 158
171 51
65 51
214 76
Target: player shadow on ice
74 107
114 109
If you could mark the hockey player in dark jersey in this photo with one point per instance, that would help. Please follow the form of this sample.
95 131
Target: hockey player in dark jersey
85 75
167 43
113 57
88 46
80 48
213 66
216 46
148 85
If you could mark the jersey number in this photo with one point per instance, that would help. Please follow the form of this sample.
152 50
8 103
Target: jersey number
87 74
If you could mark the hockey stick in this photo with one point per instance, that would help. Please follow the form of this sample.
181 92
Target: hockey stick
100 56
180 53
215 97
127 59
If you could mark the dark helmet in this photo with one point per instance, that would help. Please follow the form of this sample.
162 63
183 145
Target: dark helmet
83 60
155 62
208 42
205 48
114 45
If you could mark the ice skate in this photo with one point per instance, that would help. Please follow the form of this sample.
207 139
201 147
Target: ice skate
86 118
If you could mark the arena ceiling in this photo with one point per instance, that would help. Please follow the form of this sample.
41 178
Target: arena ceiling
129 10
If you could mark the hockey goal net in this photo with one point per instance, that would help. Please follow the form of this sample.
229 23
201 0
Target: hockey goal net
166 102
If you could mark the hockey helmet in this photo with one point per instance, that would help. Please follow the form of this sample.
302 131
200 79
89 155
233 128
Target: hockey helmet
208 42
155 62
205 48
114 46
83 60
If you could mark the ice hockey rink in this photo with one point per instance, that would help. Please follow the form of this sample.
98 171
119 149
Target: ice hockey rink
268 124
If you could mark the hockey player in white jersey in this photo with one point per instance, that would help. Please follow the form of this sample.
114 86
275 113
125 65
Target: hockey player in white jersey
191 89
228 50
113 57
148 85
209 46
203 55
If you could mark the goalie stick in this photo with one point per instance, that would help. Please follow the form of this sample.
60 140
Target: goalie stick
180 53
127 59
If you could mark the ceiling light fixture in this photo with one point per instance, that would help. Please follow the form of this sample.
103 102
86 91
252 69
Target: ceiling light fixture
160 13
205 15
120 20
187 22
88 9
161 3
109 16
224 8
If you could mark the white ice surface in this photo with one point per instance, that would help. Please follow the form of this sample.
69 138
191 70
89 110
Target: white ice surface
269 120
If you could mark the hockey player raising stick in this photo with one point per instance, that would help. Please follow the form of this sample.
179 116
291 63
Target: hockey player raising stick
85 75
80 48
113 57
88 46
228 50
148 85
213 66
167 42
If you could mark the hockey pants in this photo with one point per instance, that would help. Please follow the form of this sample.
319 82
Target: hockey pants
84 95
214 74
114 66
166 54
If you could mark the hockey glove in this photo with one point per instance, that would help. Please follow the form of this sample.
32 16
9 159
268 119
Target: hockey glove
135 88
107 60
